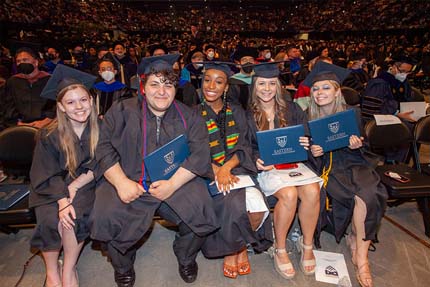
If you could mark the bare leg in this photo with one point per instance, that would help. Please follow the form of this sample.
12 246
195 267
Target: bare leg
255 219
71 253
283 215
51 264
362 246
308 213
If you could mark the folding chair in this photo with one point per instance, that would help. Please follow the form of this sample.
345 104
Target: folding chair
422 137
418 185
16 154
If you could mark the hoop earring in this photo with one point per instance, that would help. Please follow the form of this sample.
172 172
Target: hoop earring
224 96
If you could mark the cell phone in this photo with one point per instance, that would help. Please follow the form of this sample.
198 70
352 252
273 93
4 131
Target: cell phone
397 177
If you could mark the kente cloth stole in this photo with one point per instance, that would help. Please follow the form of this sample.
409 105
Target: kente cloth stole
218 150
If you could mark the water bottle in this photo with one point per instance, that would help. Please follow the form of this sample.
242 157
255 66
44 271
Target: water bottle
295 235
344 282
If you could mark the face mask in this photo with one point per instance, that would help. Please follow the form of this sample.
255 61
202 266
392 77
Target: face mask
268 55
211 55
120 55
25 68
108 75
51 56
199 66
401 77
247 68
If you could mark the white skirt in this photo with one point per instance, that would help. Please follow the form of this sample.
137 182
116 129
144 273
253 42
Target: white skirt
255 202
273 180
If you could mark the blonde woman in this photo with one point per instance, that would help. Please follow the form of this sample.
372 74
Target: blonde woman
271 111
357 194
62 178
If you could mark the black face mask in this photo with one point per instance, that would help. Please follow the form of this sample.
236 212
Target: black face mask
51 57
25 68
247 68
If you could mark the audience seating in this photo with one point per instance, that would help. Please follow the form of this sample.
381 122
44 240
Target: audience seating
16 153
418 188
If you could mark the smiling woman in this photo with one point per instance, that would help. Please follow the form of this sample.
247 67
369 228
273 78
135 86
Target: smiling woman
62 175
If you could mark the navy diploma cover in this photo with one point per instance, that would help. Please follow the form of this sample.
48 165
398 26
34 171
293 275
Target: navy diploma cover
281 145
333 132
163 162
10 194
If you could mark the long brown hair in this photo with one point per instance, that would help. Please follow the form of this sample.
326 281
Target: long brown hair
260 116
314 111
66 133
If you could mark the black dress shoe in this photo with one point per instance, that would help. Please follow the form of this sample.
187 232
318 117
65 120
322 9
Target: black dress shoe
188 272
126 279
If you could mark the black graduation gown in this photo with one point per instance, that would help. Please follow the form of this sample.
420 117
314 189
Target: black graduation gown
49 181
294 116
122 225
236 231
353 174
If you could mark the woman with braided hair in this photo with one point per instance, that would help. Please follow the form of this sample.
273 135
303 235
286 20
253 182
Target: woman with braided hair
243 213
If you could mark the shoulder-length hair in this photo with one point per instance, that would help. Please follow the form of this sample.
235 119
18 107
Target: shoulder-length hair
66 133
314 111
260 116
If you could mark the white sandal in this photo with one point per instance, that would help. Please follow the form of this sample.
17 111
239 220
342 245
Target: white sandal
305 263
282 268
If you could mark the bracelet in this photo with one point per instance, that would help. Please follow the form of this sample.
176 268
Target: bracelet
64 207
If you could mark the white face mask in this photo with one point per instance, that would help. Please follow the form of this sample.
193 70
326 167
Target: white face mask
211 55
199 65
108 75
401 77
120 55
268 55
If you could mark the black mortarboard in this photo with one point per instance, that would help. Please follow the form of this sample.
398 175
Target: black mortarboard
264 47
245 52
324 71
267 69
110 57
157 46
157 63
403 58
63 77
210 46
221 66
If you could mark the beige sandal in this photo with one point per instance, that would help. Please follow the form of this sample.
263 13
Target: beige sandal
364 277
304 264
282 269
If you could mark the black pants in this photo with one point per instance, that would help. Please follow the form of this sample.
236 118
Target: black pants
186 244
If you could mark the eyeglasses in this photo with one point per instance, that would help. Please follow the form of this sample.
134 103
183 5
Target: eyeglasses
403 71
107 69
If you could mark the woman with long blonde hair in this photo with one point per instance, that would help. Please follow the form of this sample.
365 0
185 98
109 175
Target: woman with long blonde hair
356 191
62 180
270 111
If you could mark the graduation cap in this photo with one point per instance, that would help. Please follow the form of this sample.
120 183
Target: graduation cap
157 46
267 69
245 52
220 66
63 77
110 57
210 46
157 63
404 58
324 71
264 47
